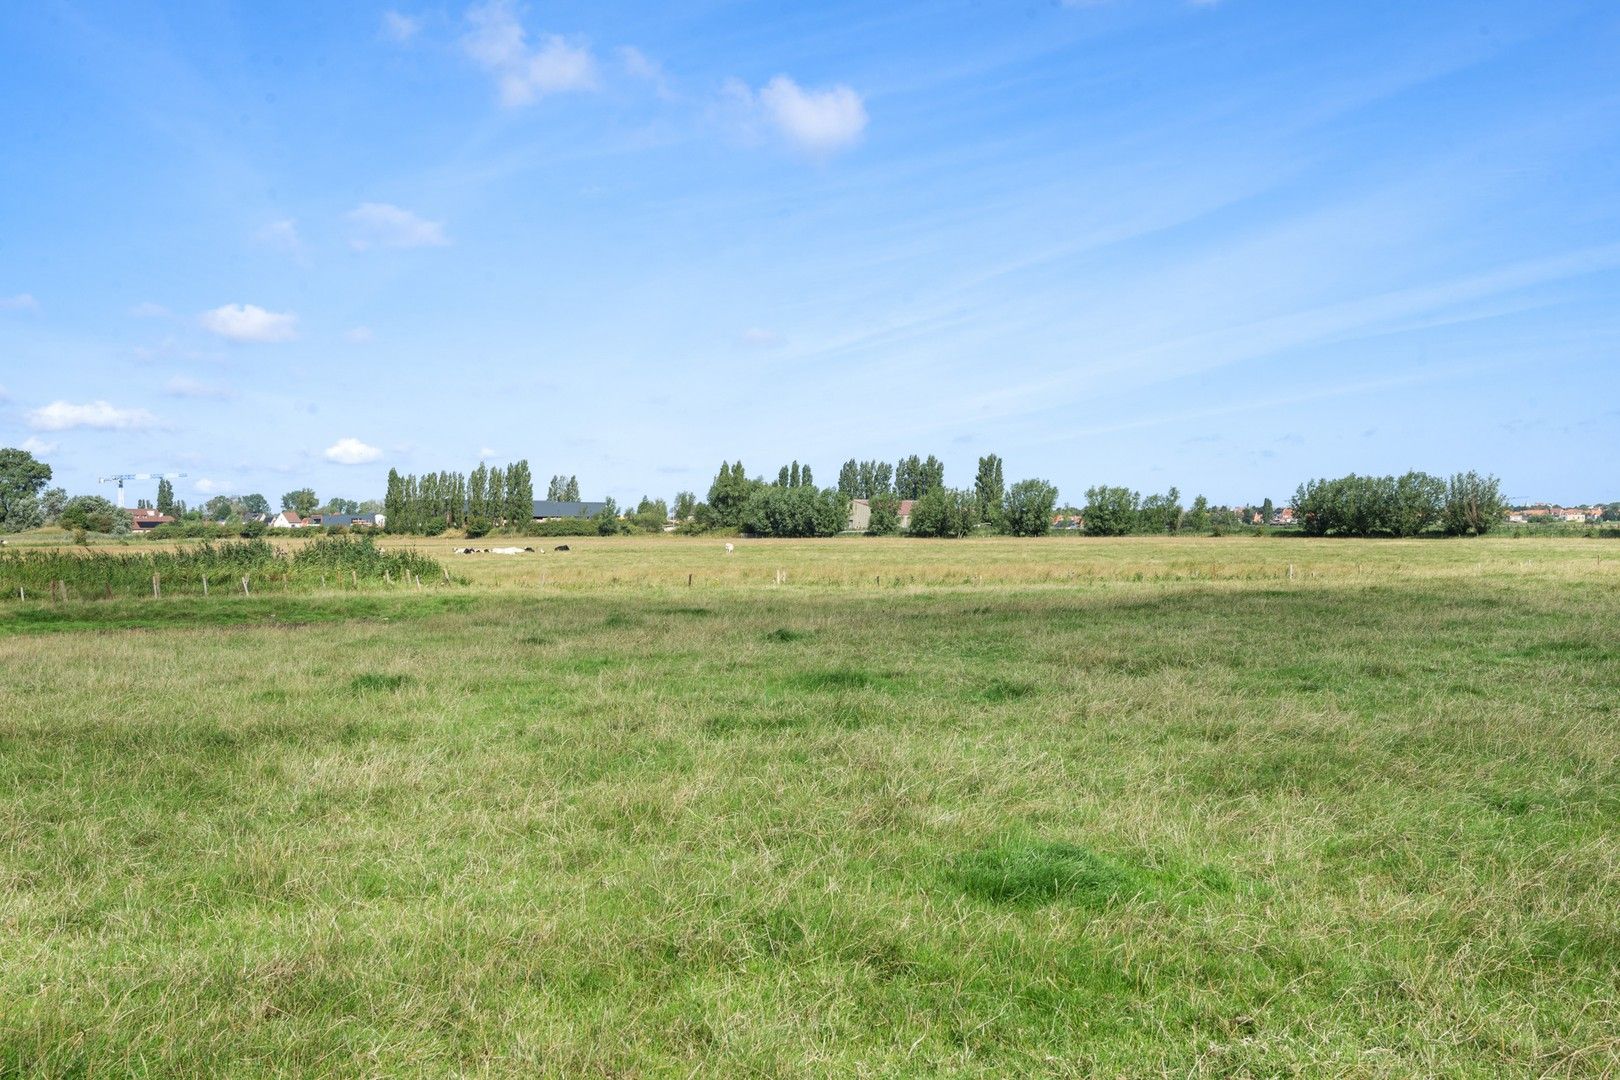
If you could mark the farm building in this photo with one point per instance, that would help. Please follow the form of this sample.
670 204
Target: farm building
546 509
141 518
860 514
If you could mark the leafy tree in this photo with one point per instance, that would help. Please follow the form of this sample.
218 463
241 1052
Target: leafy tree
795 511
1473 504
219 508
685 504
51 503
932 474
885 516
650 515
495 495
849 480
1160 513
908 478
1197 519
21 478
258 504
342 506
989 487
1416 503
302 501
93 513
393 503
784 478
1267 512
165 497
1028 509
1111 511
607 518
728 494
555 489
571 490
944 513
805 478
477 492
519 494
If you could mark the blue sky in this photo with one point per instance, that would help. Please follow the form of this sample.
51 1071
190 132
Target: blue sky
1223 245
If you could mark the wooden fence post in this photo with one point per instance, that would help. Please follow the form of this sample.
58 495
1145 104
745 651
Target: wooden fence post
156 592
205 585
245 586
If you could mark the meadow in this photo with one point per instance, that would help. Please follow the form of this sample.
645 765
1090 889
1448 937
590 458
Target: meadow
1187 807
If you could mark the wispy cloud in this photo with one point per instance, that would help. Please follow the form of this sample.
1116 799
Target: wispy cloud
98 415
817 121
383 225
351 451
358 335
249 323
639 66
281 235
183 387
400 28
19 302
149 310
497 42
35 445
213 487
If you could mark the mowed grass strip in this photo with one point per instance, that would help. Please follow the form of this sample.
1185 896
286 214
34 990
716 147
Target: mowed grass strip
1327 828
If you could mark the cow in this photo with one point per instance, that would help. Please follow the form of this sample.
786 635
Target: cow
560 547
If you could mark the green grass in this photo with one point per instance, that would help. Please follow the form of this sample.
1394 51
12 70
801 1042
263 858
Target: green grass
1350 824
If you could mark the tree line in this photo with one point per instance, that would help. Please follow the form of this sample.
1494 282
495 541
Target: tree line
489 497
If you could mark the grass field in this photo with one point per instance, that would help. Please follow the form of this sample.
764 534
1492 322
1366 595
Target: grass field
1235 807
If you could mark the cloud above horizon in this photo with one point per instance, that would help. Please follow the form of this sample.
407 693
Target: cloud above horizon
383 225
399 27
351 451
249 323
817 121
97 415
19 302
497 42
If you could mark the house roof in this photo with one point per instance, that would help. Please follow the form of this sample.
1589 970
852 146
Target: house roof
291 516
554 508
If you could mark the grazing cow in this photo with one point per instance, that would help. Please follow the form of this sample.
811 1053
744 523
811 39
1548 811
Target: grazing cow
729 549
560 547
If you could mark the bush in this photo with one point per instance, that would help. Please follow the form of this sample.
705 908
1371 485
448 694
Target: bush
885 517
795 511
476 527
943 512
1027 508
563 527
1473 504
93 513
1111 511
1369 505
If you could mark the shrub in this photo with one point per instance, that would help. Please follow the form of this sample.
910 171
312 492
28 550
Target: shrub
1110 511
885 517
1027 508
795 511
944 512
1473 504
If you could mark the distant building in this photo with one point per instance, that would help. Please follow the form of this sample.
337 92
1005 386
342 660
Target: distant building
860 514
288 519
546 509
141 519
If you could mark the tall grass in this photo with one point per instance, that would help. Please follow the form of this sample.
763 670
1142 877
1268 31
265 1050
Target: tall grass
331 560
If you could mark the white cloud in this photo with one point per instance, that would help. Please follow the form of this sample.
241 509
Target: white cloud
351 451
400 28
149 310
819 121
386 226
182 387
4 395
359 335
487 452
35 445
496 40
249 322
213 487
101 415
20 302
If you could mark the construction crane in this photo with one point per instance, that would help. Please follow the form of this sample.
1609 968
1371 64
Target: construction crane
121 477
